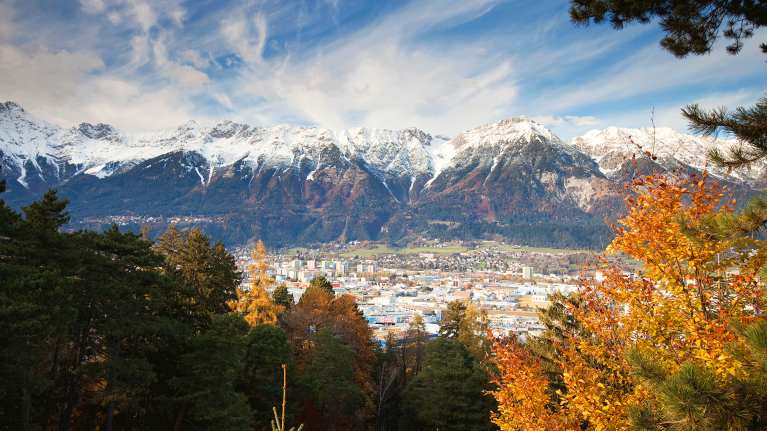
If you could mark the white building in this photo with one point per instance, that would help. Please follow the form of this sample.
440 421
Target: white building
527 272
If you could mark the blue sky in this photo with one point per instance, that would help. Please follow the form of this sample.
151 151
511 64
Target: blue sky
442 66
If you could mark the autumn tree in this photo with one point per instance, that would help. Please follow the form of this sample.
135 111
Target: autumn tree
254 302
681 315
319 309
466 322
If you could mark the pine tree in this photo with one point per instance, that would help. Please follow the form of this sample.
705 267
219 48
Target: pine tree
449 394
282 297
691 26
331 369
207 389
262 379
321 283
207 274
450 326
694 397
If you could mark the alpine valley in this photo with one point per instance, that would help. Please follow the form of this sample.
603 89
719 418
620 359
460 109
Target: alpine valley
299 185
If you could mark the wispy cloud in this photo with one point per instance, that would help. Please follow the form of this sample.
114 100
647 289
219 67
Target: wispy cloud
443 66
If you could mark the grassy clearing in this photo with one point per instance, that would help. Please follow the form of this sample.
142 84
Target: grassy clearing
295 251
435 250
378 249
446 223
545 250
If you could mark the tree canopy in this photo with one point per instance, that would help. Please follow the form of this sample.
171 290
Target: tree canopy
691 26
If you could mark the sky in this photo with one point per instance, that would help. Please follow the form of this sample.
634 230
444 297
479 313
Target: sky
442 66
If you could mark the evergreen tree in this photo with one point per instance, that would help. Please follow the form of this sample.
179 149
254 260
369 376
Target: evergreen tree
126 300
321 283
282 297
694 398
691 26
450 326
561 326
208 397
332 372
35 272
449 394
261 381
207 274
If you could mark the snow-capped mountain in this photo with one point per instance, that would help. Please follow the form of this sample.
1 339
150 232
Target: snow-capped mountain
613 146
307 184
32 147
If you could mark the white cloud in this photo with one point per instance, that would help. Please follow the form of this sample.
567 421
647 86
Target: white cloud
92 6
182 75
223 99
114 18
139 50
144 15
46 77
193 57
67 88
549 120
178 15
582 121
246 36
552 121
377 78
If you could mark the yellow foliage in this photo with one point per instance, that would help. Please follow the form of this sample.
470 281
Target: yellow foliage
680 307
255 303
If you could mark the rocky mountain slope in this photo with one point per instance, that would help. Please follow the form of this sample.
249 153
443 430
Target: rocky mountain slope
512 178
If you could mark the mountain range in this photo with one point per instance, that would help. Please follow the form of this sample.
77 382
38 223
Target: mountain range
298 185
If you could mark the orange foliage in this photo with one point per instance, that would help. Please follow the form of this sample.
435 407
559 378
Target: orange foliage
679 308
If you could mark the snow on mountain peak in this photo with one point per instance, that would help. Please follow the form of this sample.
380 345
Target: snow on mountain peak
611 146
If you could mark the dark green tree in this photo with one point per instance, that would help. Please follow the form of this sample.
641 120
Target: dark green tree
449 393
321 283
126 300
691 26
35 288
208 273
331 371
261 381
282 297
208 398
561 326
451 324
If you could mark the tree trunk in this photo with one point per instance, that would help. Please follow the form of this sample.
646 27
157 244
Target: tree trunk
66 415
110 389
180 416
49 401
25 406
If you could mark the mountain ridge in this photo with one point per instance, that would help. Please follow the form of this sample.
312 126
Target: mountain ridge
319 185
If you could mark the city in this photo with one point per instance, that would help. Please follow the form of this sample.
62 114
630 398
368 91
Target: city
391 288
